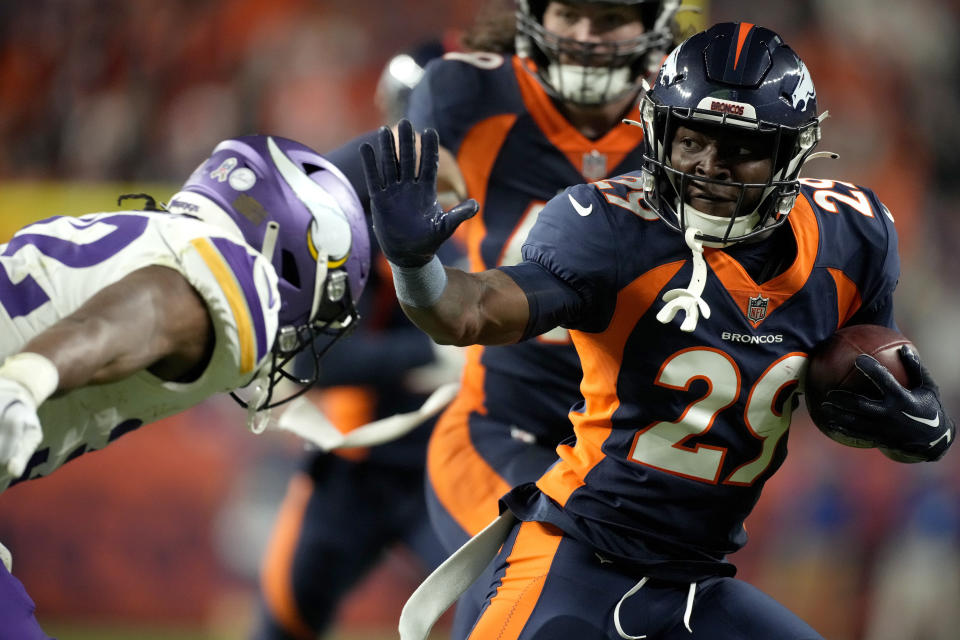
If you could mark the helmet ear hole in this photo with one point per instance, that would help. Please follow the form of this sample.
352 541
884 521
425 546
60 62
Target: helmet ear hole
289 268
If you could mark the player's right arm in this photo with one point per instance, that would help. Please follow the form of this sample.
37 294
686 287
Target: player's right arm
452 306
151 318
488 307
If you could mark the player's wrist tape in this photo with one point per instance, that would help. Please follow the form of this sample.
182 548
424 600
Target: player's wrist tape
36 373
419 286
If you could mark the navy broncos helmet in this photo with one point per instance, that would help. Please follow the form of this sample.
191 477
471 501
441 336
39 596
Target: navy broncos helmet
591 72
735 75
299 210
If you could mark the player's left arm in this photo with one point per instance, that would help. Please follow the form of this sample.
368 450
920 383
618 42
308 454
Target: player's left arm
151 318
908 424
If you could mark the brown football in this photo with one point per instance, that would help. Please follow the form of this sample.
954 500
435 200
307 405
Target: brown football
832 366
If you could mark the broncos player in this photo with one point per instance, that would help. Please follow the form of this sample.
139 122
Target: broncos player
694 289
522 127
115 320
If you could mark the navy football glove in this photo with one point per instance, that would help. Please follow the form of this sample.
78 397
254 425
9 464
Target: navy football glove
908 425
409 223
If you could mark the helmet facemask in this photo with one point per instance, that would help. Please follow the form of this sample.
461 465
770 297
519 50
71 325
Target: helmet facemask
335 317
593 73
665 186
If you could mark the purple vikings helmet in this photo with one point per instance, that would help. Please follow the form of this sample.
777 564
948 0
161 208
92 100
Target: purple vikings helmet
594 73
738 76
301 213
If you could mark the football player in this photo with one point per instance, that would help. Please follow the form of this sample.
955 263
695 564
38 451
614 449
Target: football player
694 288
524 117
115 320
344 510
550 117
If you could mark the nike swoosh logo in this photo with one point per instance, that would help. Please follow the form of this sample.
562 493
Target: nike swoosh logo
932 423
579 208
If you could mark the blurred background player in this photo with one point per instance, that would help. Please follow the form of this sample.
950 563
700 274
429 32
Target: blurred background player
116 320
685 415
538 106
344 511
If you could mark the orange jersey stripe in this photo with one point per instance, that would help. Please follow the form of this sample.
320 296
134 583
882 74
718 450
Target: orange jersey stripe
522 583
848 296
779 289
601 356
276 576
464 483
615 144
477 154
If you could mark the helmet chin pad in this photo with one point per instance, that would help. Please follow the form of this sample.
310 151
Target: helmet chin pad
589 85
717 226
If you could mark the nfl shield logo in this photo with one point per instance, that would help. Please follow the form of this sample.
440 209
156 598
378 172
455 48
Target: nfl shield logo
757 309
594 166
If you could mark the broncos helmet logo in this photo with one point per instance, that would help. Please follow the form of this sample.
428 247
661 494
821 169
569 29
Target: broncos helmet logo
804 92
668 72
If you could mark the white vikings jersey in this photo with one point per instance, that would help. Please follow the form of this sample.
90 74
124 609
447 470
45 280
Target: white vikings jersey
52 267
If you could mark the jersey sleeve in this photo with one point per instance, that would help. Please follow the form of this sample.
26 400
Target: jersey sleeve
574 241
880 282
552 303
853 216
239 288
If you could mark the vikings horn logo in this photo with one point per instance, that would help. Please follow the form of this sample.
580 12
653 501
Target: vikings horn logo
329 219
804 92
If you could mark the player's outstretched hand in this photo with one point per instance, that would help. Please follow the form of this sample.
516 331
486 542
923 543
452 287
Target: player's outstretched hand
20 432
409 223
909 425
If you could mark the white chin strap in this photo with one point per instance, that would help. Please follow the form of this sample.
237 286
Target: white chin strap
688 300
588 85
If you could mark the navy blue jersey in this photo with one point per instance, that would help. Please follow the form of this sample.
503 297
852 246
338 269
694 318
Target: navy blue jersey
516 151
678 431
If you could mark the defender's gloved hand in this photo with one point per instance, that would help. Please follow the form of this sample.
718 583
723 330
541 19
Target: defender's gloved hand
908 425
20 432
409 223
